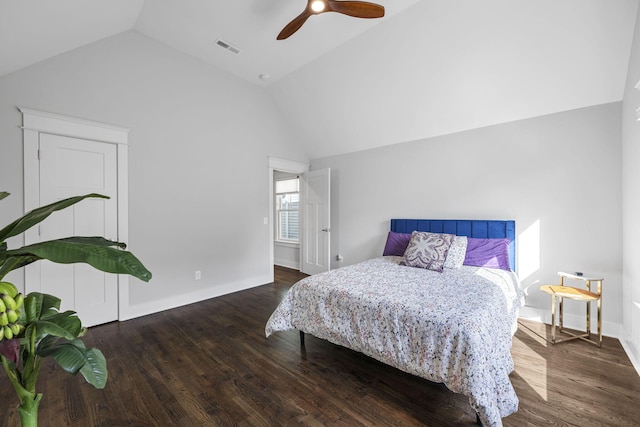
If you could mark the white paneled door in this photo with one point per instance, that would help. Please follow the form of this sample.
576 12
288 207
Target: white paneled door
72 167
316 221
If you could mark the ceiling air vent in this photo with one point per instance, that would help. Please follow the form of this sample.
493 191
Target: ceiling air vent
223 44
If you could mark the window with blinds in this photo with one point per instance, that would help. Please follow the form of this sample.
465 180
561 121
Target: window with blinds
288 210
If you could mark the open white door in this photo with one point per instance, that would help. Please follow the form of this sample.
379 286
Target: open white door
316 224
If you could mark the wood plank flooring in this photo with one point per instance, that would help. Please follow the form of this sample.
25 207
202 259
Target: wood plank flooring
209 364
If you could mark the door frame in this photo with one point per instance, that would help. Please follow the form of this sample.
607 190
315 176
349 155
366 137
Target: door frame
283 165
35 122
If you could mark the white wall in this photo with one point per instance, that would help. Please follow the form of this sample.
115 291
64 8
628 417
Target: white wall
198 171
631 204
287 255
558 176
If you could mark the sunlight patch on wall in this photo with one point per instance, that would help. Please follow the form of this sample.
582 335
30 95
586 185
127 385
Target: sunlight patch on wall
529 251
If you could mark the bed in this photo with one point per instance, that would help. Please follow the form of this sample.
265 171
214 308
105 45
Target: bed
451 324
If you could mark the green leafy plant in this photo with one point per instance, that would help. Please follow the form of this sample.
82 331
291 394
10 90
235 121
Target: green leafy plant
33 328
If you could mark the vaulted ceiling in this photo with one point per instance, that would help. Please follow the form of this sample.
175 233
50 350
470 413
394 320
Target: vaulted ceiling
32 30
428 68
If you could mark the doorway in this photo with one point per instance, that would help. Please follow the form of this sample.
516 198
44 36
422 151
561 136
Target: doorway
285 167
314 214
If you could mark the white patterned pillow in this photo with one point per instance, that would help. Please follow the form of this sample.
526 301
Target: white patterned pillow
457 253
427 250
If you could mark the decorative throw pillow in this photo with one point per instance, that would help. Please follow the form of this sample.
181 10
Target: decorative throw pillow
396 243
457 253
490 253
427 250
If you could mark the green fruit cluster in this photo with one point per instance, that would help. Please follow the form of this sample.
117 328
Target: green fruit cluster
10 302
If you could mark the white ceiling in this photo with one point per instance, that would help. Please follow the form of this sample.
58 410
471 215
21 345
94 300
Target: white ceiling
343 84
33 30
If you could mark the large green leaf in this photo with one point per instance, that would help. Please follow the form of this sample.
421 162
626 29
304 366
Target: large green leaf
10 263
95 370
95 251
66 325
38 306
95 241
74 357
46 342
39 214
14 262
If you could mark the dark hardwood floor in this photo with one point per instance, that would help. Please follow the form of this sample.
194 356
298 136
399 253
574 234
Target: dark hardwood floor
209 364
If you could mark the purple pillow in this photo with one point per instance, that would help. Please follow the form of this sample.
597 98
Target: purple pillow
396 243
491 253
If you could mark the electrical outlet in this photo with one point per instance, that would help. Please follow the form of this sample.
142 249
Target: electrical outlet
198 275
339 258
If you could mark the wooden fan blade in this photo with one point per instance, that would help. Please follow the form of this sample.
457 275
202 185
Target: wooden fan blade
358 9
294 25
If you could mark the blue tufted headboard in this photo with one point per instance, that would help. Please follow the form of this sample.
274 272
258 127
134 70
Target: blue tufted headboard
470 228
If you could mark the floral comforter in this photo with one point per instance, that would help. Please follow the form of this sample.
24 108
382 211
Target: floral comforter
453 327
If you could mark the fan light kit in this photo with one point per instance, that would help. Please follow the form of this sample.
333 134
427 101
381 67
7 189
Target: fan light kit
317 5
357 9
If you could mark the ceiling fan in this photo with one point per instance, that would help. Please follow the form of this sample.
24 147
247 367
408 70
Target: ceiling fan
358 9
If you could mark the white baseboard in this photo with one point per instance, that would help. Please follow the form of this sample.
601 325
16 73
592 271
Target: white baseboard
157 306
572 321
630 348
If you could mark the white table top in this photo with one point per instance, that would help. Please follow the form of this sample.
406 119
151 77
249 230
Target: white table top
584 276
